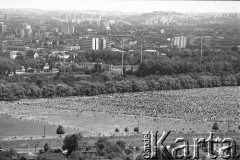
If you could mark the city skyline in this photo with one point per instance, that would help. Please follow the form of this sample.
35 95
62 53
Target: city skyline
136 6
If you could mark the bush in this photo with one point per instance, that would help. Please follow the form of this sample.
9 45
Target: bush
48 91
128 151
63 90
107 76
238 79
152 85
18 91
139 85
172 83
226 81
33 91
233 80
123 86
187 82
11 92
111 87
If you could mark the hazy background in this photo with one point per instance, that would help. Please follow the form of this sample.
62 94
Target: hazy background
125 5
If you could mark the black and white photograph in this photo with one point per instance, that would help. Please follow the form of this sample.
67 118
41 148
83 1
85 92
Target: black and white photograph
119 80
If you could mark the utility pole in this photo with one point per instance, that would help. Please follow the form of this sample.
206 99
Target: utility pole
35 148
64 61
201 51
141 52
44 131
122 57
228 125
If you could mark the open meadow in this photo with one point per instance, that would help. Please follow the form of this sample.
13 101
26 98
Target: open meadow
181 111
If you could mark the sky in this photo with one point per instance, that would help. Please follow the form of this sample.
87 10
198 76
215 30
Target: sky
138 6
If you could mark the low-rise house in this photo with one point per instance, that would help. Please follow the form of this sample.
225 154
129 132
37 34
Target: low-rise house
92 152
27 157
86 149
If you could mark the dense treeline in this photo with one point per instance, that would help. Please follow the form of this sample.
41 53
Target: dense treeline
178 70
216 63
62 85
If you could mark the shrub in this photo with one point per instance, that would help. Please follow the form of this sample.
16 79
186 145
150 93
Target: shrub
18 91
5 93
233 80
238 79
139 85
48 91
63 90
226 81
187 82
152 85
33 91
162 83
172 83
107 76
216 81
111 87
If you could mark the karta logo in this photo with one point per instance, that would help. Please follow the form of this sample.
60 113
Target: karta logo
154 148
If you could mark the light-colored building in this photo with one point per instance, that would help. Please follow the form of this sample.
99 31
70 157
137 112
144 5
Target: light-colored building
43 28
22 33
183 42
153 52
179 42
3 29
162 31
67 30
73 48
95 43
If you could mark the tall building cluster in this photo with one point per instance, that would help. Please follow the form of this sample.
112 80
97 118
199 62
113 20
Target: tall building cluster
179 42
230 15
3 28
93 44
68 30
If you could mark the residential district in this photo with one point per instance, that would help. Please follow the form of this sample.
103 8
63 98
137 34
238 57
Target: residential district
37 42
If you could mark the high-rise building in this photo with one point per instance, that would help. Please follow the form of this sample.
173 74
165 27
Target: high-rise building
95 43
102 44
0 45
183 42
67 29
71 29
5 18
180 42
3 29
22 33
176 41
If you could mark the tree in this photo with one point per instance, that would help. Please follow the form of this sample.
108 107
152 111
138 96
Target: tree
215 126
116 130
30 54
121 143
51 63
60 130
29 62
46 147
136 129
71 141
126 129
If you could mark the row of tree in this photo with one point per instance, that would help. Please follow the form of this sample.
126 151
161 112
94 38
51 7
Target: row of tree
37 86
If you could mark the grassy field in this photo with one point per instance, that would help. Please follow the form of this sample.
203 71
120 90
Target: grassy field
182 111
